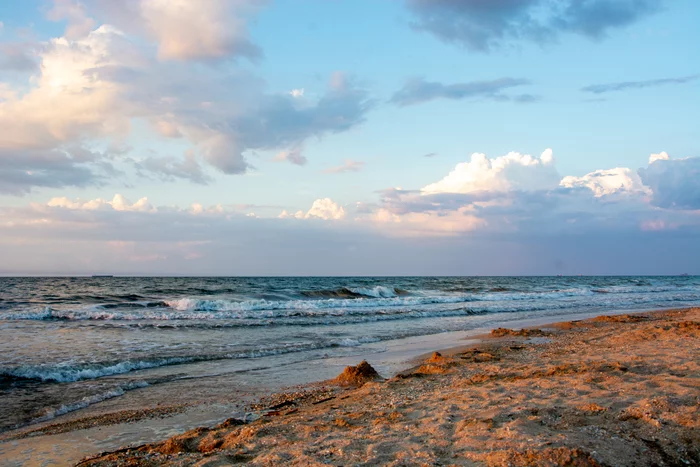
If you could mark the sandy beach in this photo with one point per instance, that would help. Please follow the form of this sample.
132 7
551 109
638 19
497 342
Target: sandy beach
617 390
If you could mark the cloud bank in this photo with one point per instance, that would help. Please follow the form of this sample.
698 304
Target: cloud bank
483 207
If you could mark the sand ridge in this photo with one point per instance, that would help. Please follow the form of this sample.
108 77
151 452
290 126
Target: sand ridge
620 390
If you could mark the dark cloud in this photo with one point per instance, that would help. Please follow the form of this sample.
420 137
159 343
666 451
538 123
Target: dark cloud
482 25
613 87
418 90
675 182
22 170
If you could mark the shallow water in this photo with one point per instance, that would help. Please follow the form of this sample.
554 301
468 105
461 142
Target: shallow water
68 343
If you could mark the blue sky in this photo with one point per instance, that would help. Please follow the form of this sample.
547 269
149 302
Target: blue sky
198 107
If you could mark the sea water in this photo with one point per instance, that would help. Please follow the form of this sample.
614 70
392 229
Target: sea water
69 343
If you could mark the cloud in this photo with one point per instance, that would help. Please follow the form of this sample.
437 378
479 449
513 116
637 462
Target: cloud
522 195
348 166
293 156
297 92
118 203
615 87
619 180
324 208
170 168
22 169
501 227
417 91
430 154
78 22
91 90
17 57
514 171
675 183
484 26
181 30
191 30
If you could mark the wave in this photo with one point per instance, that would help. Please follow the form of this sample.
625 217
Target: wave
345 301
69 373
378 291
51 413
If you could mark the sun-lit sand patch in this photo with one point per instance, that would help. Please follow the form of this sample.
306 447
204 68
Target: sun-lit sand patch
617 390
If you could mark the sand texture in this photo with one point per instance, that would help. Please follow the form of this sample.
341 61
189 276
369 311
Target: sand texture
618 391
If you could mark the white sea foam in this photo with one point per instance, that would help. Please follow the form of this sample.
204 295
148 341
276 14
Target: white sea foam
377 292
51 413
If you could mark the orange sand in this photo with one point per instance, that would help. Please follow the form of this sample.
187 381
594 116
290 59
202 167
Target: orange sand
620 390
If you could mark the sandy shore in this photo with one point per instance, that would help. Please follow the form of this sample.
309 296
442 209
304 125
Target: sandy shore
620 390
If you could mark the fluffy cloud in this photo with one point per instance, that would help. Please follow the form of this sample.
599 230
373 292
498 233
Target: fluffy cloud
418 90
675 183
486 25
118 203
91 89
608 182
514 171
521 193
324 208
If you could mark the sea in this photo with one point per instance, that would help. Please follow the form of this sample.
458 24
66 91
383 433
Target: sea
67 343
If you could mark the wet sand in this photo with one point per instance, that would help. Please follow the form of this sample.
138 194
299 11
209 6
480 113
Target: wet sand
621 390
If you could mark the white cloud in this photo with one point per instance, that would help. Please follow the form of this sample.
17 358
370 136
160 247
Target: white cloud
511 172
323 208
662 156
619 180
297 92
118 203
326 208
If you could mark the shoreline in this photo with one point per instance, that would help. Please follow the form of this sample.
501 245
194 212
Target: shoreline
308 390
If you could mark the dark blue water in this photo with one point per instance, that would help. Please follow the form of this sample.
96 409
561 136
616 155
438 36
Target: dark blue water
66 343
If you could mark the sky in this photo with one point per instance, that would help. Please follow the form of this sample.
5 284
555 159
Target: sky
338 137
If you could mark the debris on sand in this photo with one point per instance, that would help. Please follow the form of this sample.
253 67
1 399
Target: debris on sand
503 332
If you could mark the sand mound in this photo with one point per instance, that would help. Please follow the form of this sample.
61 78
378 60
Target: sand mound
357 375
436 357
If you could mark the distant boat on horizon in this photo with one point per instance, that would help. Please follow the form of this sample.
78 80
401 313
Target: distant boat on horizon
102 275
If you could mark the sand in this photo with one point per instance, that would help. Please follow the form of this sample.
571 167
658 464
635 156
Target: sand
619 390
